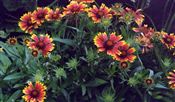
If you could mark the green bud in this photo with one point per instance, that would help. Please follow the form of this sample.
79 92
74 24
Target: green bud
72 63
60 73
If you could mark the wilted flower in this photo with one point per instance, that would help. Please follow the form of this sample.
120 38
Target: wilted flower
74 8
39 15
41 43
34 93
144 42
117 7
168 40
27 24
97 14
127 54
171 78
128 16
54 15
108 44
145 30
12 41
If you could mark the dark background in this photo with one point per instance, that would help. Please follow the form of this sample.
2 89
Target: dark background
154 11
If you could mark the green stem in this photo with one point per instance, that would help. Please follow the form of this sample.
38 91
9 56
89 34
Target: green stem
141 63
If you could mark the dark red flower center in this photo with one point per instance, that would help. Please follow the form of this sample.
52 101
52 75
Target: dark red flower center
99 14
40 45
148 81
168 40
75 9
35 53
41 15
108 44
123 54
34 94
12 41
123 65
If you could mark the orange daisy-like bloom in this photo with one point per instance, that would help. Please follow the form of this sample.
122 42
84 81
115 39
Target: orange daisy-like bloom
40 14
147 31
109 44
54 15
126 54
97 14
34 93
27 24
85 1
168 40
42 43
74 8
171 77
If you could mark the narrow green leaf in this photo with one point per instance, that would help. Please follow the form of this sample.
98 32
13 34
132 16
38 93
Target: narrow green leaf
14 96
14 76
65 41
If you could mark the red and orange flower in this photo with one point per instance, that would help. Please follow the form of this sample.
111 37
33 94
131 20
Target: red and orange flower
109 44
171 77
39 15
97 14
34 93
54 15
168 40
42 43
126 54
27 24
74 8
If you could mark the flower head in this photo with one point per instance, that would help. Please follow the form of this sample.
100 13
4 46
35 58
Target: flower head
35 53
124 65
41 43
12 41
128 16
171 78
39 15
34 93
109 44
74 8
145 30
97 14
54 15
27 24
144 42
126 54
26 40
148 81
168 40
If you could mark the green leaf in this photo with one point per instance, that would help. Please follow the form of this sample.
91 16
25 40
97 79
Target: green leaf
96 82
14 76
4 63
65 41
14 96
83 89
